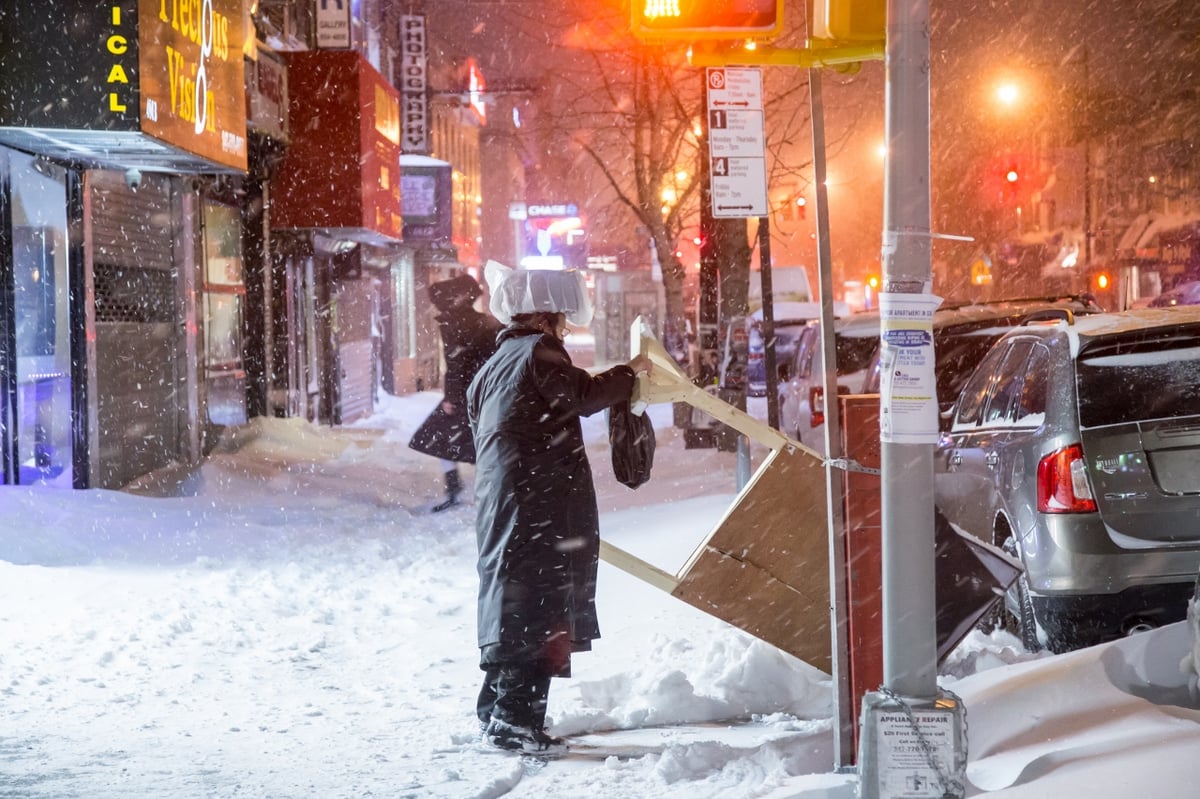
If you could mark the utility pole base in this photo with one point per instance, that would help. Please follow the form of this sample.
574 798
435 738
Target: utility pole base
912 748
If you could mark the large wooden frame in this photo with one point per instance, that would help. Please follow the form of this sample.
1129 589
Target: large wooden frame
765 565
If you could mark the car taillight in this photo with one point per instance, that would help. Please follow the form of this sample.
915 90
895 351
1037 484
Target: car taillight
1062 484
816 404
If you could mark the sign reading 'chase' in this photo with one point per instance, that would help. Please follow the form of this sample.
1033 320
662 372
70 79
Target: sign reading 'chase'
172 69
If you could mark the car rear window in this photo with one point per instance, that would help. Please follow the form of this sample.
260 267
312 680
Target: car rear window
854 352
1155 377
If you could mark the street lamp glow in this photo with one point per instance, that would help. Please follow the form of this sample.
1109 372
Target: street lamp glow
1008 94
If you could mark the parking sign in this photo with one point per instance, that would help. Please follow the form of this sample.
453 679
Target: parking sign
736 142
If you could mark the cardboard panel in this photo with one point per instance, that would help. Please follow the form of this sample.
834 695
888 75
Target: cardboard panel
765 568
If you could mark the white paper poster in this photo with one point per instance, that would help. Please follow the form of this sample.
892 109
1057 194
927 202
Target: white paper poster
908 408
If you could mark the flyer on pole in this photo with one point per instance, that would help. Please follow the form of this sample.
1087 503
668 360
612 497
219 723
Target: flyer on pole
908 406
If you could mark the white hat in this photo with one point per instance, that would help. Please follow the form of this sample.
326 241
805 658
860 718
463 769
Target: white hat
524 291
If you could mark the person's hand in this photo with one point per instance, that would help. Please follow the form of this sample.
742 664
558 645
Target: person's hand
640 364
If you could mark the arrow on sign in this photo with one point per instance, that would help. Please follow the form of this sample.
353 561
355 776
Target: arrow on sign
716 103
735 207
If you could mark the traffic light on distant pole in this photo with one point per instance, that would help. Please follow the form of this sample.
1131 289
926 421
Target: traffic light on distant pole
696 20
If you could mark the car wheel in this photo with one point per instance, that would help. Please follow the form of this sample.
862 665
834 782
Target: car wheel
1021 622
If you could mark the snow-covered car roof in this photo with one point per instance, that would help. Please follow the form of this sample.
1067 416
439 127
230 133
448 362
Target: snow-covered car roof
793 312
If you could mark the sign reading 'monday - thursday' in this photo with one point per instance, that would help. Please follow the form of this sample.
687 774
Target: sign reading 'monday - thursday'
736 142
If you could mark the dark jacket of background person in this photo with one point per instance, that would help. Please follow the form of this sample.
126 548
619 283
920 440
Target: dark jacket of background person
537 521
468 340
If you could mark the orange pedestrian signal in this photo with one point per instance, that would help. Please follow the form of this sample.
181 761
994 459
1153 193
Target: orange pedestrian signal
695 20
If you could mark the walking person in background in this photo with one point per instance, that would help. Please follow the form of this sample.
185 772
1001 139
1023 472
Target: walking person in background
468 339
537 522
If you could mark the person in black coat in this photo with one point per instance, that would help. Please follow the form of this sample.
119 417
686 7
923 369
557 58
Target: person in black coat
468 339
537 522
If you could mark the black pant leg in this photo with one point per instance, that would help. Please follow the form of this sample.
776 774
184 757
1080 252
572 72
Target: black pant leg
522 691
487 695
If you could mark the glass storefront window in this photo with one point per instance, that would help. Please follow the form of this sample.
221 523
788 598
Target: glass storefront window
43 380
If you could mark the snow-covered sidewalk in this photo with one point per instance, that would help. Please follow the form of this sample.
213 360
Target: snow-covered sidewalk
290 623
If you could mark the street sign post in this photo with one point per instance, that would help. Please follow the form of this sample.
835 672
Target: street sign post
736 142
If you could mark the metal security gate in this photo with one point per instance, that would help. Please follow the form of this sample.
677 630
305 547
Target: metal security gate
140 402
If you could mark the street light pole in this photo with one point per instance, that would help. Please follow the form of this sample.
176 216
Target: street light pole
1088 234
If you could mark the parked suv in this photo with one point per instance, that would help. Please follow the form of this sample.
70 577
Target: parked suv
1076 447
963 334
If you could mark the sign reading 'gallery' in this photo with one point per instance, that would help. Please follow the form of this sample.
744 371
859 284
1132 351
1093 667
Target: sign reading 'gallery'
171 69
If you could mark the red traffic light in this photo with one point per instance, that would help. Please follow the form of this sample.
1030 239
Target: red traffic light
1012 175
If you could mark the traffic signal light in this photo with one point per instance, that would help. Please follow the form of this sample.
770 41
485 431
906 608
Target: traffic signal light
1010 182
694 20
850 20
801 208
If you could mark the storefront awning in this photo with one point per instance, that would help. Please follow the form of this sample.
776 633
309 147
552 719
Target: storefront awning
99 149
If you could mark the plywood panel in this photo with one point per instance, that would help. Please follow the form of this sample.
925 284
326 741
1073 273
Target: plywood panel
765 567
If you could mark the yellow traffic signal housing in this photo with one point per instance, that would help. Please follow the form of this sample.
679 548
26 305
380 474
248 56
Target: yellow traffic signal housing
849 20
696 20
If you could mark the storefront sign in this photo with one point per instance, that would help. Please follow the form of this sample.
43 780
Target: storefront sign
266 95
553 209
426 196
413 85
333 24
192 80
476 86
341 168
172 69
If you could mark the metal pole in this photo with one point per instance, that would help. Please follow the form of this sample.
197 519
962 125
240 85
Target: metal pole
909 628
768 326
909 714
835 484
1087 167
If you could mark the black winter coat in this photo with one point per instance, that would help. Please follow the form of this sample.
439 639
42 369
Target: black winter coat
468 340
537 523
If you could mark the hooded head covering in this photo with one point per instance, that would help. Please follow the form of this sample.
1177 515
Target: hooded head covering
456 291
525 291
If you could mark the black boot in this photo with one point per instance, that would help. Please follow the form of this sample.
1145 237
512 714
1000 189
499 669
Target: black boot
453 489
